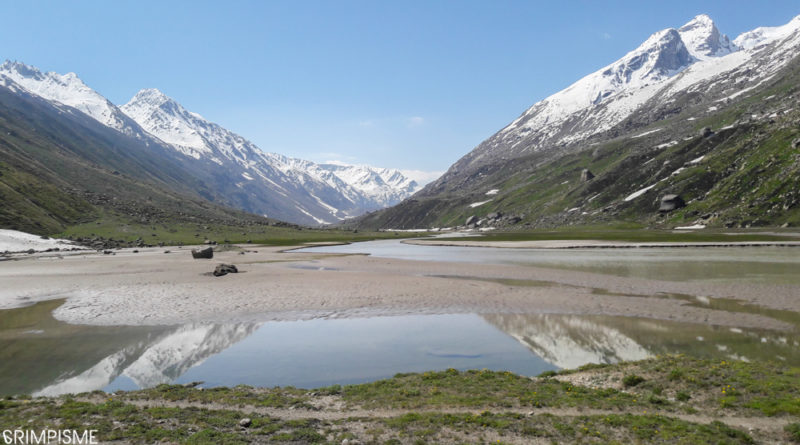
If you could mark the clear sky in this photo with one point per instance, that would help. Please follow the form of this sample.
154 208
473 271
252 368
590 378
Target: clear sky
406 84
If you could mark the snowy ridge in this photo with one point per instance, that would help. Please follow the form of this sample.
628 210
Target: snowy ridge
269 184
384 186
668 62
661 56
66 89
155 112
765 35
332 192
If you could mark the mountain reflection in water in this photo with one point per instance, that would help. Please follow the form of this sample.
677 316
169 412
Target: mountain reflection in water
569 341
43 356
161 361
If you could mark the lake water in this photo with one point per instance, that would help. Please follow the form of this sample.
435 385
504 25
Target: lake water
777 265
41 355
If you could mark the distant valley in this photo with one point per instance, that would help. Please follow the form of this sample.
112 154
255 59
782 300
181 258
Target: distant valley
213 163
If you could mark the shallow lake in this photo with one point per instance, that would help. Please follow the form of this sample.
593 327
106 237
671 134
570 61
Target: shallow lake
41 355
776 265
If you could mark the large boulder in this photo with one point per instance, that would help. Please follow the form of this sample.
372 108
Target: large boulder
670 203
206 253
225 269
471 220
586 175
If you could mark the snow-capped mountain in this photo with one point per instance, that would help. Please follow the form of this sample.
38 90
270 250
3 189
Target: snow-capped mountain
232 167
669 60
69 90
383 186
188 132
766 34
658 93
604 98
703 40
333 192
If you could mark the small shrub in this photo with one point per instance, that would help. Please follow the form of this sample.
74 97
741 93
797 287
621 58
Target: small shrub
675 374
331 390
632 380
683 396
793 430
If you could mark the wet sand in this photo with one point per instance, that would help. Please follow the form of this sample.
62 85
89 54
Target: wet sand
156 288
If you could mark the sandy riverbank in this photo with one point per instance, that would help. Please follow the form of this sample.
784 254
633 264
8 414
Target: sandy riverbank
152 287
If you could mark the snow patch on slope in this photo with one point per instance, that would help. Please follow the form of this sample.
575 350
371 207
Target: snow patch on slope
16 241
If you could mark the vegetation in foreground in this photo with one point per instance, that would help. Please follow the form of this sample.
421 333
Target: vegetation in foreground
671 399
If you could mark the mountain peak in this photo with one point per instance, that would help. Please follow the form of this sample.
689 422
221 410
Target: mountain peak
149 98
703 40
700 20
167 119
150 92
766 34
662 55
23 72
20 68
67 89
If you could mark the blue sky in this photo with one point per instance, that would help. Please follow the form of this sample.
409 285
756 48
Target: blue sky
406 84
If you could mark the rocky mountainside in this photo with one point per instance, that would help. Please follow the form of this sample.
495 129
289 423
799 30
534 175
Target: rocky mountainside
69 90
59 167
689 112
262 183
312 193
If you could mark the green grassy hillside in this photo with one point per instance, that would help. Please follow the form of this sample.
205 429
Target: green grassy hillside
744 174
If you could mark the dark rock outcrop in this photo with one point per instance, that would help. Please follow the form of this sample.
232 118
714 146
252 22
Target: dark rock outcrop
206 253
225 269
671 202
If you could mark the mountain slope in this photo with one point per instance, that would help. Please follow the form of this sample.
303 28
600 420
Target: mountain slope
633 125
233 169
311 193
59 167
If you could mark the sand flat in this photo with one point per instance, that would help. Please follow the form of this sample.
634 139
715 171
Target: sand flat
156 288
